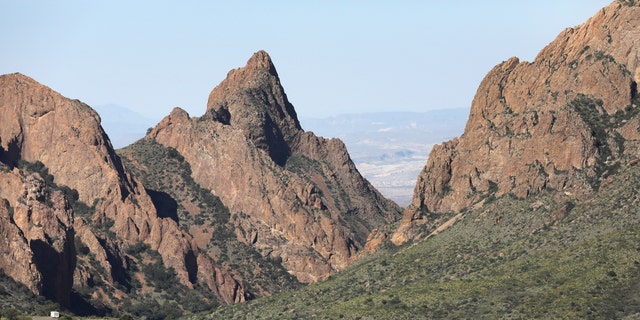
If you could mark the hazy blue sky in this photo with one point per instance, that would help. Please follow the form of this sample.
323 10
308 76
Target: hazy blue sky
332 56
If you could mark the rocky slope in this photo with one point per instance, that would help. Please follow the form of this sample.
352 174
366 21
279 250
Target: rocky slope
167 178
548 257
44 136
36 227
565 121
292 195
238 203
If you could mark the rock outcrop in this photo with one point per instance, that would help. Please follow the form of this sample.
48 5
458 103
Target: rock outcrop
292 195
39 125
77 222
562 122
36 227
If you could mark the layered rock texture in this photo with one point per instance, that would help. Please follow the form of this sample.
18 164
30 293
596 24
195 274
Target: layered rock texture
565 121
292 195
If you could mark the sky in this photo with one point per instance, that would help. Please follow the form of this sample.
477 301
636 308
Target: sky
333 57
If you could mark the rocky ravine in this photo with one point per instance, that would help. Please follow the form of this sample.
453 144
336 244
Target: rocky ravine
291 194
565 121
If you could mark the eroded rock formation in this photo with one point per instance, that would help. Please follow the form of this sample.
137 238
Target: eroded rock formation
75 218
562 122
40 125
291 194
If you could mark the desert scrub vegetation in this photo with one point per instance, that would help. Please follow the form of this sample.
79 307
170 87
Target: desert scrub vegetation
18 302
549 256
80 209
158 294
628 3
168 178
610 143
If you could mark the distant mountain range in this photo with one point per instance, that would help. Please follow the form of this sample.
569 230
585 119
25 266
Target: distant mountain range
123 125
390 148
532 212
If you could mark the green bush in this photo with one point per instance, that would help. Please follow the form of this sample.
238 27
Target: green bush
533 263
137 248
10 314
628 3
81 248
162 278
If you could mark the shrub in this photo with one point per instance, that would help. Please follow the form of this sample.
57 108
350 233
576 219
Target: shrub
628 3
137 248
161 277
10 314
81 248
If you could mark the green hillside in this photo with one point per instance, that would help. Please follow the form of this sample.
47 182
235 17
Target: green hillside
544 257
167 177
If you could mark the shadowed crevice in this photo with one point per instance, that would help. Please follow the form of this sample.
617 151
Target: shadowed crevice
165 205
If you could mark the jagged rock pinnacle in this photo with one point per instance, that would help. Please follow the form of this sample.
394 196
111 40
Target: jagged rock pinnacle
261 60
251 98
291 194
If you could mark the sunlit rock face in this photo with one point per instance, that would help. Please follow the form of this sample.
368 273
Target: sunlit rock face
292 195
561 122
38 124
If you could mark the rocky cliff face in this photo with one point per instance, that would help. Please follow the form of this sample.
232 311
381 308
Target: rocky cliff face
292 195
38 125
241 199
565 122
36 227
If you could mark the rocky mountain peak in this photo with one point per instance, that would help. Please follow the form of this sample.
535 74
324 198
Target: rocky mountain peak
565 122
261 60
243 181
251 98
62 140
291 194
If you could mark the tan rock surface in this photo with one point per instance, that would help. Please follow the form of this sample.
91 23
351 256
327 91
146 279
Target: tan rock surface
39 124
539 125
291 194
36 227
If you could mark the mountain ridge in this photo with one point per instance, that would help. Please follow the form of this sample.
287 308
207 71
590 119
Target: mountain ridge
59 140
249 109
290 203
389 148
532 211
564 121
123 125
